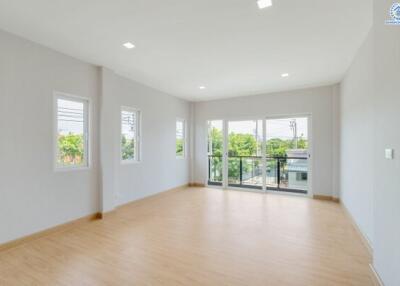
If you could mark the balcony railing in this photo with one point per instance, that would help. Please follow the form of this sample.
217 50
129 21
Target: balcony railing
215 170
245 172
288 174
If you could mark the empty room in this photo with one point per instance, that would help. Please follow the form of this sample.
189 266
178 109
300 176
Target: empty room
199 142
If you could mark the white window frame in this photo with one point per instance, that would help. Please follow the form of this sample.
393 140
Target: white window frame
138 134
86 130
183 156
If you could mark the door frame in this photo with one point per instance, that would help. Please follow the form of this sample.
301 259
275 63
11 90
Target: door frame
310 150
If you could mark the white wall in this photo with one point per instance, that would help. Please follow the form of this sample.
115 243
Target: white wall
159 168
370 124
387 135
357 136
32 196
319 102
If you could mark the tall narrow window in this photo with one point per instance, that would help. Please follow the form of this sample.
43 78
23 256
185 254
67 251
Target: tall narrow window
130 132
180 138
72 132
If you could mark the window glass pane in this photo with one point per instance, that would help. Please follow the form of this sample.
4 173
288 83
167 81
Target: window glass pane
287 153
128 135
71 139
244 153
215 151
180 138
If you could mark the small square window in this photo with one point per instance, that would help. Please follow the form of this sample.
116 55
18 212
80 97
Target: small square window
130 143
72 130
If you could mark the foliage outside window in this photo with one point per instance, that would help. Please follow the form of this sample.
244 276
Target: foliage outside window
180 138
72 130
215 148
245 145
129 135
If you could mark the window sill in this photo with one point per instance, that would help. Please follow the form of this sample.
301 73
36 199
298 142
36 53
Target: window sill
71 169
130 162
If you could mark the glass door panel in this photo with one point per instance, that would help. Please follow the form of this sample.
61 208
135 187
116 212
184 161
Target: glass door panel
215 152
287 154
244 160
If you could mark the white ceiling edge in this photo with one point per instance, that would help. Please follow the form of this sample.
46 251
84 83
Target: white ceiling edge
273 92
216 98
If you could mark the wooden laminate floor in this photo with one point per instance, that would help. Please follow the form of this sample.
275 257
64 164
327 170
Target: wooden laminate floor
199 236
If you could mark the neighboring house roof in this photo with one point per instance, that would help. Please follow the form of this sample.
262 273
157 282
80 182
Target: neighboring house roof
302 153
297 165
297 169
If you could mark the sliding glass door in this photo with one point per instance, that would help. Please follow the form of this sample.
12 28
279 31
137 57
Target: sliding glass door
287 154
244 154
269 155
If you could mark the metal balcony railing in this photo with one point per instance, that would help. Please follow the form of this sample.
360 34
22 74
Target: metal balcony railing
215 170
288 174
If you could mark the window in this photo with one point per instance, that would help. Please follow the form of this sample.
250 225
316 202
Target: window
130 143
71 132
301 176
180 138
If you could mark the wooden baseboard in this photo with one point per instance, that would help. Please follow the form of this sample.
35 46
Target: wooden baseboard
375 276
46 232
326 198
197 185
104 215
364 239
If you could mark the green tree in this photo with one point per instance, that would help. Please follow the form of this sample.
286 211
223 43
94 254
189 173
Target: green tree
128 148
245 145
216 142
239 145
179 147
71 149
277 147
242 145
302 143
215 150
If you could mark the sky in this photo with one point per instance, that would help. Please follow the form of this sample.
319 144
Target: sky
128 123
70 117
280 128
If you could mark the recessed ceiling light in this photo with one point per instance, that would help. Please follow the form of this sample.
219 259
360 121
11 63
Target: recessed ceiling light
264 3
202 87
129 45
285 75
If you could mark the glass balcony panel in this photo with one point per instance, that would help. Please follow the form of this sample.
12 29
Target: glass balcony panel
271 173
215 170
252 172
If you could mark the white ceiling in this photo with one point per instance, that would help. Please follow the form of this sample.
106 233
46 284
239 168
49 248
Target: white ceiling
229 46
